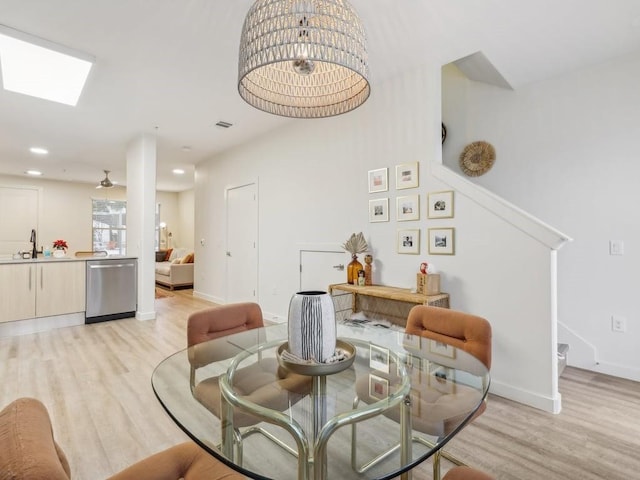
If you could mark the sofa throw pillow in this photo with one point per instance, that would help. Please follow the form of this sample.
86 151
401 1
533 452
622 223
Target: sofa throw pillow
167 256
161 255
187 258
176 261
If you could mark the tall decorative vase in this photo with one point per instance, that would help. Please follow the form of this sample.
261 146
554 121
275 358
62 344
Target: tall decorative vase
352 270
312 326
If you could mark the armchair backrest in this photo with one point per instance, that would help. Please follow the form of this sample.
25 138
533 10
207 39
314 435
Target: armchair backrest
216 322
27 447
221 321
461 330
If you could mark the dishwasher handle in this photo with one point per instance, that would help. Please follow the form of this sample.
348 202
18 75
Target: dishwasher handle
118 265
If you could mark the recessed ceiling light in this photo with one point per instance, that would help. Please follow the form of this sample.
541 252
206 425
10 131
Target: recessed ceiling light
186 148
38 150
40 68
33 172
178 171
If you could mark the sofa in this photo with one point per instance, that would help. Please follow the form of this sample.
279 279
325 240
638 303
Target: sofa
174 268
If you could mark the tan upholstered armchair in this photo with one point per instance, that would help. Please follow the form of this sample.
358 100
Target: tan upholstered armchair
256 382
28 451
466 473
462 330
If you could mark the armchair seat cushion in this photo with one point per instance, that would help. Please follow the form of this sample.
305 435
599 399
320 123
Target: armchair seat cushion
257 384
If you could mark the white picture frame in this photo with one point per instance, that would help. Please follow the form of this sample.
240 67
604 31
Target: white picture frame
440 204
407 176
378 180
379 210
441 241
378 387
409 241
379 358
408 208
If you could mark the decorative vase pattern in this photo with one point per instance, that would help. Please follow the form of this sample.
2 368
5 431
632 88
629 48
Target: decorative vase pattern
312 326
352 270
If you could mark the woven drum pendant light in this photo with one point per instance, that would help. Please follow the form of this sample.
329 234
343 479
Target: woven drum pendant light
303 59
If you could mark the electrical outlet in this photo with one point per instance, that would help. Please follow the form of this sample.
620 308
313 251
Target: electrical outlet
616 247
618 323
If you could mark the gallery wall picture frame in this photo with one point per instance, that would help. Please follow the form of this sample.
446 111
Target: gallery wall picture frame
442 349
379 180
407 176
441 241
379 210
409 241
378 387
408 208
379 358
440 204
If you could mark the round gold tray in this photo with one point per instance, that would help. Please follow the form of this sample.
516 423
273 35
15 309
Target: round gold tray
313 369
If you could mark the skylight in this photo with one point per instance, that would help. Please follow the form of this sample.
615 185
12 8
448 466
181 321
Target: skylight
40 68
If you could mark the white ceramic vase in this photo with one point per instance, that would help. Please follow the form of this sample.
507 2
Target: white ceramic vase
312 326
59 253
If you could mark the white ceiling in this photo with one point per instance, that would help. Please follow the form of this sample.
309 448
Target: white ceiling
169 66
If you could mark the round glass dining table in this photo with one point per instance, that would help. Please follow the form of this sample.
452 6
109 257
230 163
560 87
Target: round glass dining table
400 399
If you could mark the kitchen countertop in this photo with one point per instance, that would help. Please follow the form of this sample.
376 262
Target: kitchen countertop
42 259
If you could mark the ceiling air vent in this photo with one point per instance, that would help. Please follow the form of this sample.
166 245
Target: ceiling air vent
222 124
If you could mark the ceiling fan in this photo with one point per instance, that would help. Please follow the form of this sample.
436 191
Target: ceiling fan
105 183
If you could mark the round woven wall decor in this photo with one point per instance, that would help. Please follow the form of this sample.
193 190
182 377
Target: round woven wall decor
477 158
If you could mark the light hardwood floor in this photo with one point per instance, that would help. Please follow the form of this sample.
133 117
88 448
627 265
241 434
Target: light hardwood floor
95 381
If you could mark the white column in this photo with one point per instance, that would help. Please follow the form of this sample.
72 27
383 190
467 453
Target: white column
141 208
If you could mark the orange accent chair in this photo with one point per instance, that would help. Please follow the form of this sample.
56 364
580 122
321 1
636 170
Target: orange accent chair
466 473
461 330
256 382
28 451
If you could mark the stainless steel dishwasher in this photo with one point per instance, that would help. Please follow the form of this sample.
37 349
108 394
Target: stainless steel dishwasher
111 289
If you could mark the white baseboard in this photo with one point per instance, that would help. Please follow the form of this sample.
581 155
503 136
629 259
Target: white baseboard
210 298
42 324
547 404
146 315
615 370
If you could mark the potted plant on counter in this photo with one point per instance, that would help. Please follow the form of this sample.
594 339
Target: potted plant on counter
60 248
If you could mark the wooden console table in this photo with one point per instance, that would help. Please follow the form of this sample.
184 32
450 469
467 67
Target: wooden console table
381 302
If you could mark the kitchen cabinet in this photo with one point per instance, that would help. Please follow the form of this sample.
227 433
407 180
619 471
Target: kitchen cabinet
31 290
60 288
17 292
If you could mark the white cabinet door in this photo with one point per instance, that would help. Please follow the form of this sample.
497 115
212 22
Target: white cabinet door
18 215
18 292
60 288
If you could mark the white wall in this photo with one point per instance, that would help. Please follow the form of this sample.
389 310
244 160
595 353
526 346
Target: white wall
567 152
312 177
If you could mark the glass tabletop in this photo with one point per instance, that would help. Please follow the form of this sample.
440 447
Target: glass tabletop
401 399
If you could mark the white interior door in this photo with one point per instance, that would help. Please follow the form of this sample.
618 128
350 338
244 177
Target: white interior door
242 244
321 268
18 215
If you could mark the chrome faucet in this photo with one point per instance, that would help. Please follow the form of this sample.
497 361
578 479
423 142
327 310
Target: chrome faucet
34 251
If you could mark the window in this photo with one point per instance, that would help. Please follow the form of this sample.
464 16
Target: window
110 226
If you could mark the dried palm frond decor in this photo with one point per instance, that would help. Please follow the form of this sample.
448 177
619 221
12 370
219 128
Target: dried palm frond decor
303 58
477 158
356 244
